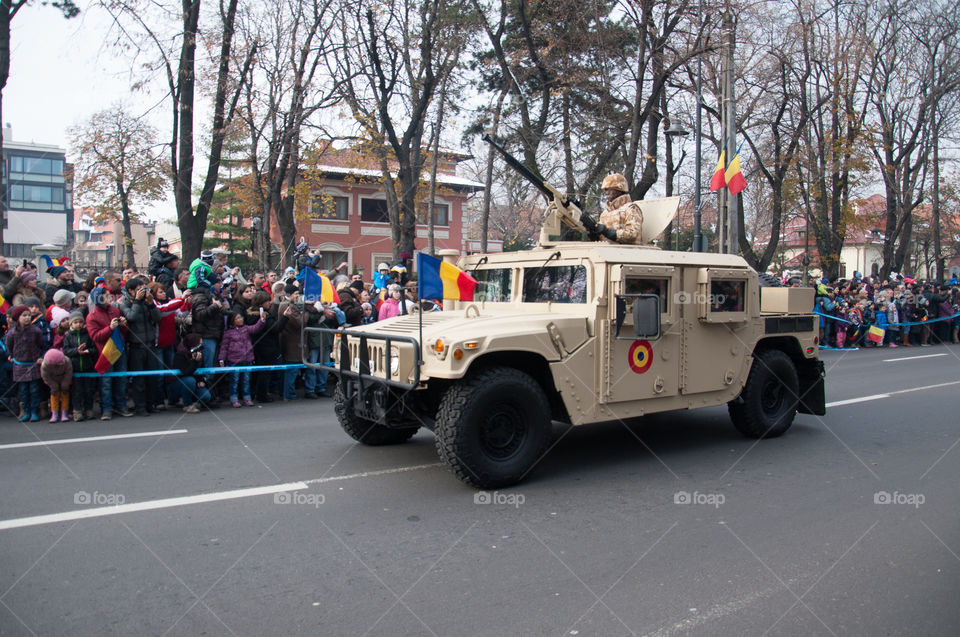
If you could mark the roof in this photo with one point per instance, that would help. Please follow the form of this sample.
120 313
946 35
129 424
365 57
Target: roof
447 180
615 253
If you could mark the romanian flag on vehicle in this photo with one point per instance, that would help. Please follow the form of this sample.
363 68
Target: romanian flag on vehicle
439 280
4 305
735 180
317 287
718 180
111 352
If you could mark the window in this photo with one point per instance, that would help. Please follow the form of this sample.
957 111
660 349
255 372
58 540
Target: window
493 285
330 259
374 210
648 286
36 194
36 165
326 206
727 296
559 284
441 214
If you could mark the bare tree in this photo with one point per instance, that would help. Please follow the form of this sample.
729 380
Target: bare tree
118 166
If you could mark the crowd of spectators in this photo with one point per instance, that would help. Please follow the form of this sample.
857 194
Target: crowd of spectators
909 313
58 328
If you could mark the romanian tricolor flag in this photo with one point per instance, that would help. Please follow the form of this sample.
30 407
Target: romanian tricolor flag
111 352
4 305
718 180
317 287
53 262
735 180
439 280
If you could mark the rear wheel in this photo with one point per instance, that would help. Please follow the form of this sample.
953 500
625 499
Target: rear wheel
493 427
363 430
768 402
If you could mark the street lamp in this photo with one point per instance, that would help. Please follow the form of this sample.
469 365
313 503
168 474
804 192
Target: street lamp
676 131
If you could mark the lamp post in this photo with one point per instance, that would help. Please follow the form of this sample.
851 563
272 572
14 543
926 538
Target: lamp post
676 131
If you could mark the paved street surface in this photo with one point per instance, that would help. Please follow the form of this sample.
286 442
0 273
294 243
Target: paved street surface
270 521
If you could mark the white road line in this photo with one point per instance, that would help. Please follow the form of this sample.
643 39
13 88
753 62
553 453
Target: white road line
863 399
367 474
165 503
149 505
911 358
67 441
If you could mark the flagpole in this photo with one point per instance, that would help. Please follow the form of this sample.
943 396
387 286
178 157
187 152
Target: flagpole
697 232
420 313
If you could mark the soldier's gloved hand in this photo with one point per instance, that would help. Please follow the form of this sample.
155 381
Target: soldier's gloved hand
609 233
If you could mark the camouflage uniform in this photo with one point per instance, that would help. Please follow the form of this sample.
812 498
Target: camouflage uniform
624 216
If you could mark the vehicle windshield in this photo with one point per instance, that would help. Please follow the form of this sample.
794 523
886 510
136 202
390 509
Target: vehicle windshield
493 285
557 284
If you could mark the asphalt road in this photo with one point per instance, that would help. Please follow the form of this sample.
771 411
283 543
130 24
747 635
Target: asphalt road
270 521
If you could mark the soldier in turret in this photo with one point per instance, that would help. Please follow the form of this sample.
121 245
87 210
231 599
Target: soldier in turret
620 213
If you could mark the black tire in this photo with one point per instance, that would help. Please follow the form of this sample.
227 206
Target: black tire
363 430
768 402
769 281
493 427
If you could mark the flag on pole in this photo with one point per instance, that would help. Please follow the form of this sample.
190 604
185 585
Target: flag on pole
735 180
111 352
437 279
317 287
718 180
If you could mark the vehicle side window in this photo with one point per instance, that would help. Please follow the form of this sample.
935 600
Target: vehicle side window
558 284
641 285
726 295
493 285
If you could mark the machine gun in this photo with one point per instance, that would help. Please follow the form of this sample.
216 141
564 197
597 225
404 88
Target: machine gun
561 210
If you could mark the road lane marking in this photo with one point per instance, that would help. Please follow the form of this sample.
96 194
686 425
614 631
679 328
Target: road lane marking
911 358
67 441
149 505
166 503
367 474
863 399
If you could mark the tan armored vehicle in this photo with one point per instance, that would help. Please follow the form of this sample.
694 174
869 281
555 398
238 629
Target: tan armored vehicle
580 332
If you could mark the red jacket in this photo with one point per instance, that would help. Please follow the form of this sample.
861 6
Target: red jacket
167 328
98 325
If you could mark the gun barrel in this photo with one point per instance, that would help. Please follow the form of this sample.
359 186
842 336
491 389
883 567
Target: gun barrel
514 163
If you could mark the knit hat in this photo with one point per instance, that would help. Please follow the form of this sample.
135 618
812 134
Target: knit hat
289 272
207 257
15 312
76 315
357 285
96 296
63 296
27 277
53 357
32 300
162 243
56 270
290 288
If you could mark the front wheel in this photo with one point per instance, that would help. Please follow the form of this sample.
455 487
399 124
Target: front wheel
768 402
363 430
493 427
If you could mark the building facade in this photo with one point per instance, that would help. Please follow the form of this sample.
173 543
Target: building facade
37 197
100 245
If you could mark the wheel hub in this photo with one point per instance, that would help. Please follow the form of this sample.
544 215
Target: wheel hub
502 432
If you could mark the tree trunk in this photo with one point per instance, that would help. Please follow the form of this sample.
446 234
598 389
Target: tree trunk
488 180
935 203
128 259
191 233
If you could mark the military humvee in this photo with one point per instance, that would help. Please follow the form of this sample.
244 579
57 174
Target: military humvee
579 332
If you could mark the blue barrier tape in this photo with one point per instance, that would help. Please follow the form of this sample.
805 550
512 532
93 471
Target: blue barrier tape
840 349
201 371
889 325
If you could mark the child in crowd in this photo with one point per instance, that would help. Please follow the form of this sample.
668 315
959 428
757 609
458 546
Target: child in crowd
79 348
236 349
24 344
57 372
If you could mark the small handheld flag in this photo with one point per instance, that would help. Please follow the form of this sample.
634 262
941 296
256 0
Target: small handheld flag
719 180
111 352
317 287
437 279
53 262
875 334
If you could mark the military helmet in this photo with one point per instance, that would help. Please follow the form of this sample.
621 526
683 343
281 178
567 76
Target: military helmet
617 181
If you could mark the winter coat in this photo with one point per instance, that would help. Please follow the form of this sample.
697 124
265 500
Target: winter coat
71 343
207 314
236 346
57 376
165 277
351 307
24 345
266 349
238 306
199 270
142 321
389 309
98 325
167 327
290 343
54 285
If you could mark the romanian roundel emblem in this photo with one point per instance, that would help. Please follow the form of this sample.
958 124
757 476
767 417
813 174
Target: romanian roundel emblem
640 356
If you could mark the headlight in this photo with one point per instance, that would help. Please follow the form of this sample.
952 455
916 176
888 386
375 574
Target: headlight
394 361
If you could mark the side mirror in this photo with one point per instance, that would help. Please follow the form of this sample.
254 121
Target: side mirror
646 316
